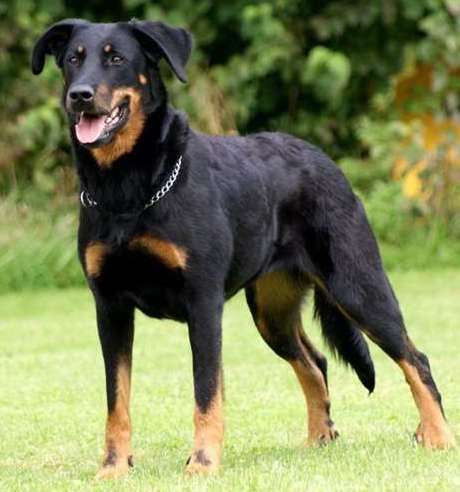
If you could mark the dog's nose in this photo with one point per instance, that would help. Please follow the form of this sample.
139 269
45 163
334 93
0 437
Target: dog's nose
81 93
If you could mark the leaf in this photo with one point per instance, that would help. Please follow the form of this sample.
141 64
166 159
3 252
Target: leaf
327 72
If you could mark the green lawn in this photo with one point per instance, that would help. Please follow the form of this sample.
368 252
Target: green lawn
52 402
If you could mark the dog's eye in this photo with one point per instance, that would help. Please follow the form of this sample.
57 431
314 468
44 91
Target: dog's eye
73 60
116 60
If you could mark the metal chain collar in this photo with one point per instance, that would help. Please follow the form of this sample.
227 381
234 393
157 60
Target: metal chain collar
167 186
88 202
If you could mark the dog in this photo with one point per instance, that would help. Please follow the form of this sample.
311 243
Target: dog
174 222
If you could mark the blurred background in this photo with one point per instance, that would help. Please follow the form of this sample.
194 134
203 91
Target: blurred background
375 83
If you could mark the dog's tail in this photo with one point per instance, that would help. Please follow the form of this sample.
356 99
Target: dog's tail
344 339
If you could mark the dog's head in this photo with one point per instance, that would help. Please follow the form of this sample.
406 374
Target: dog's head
111 73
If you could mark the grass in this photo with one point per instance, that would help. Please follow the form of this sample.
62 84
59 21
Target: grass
52 403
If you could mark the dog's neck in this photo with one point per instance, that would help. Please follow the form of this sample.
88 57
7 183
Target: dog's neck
129 181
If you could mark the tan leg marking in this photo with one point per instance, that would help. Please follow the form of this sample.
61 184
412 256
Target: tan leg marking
125 139
279 295
279 290
171 255
433 431
95 254
118 455
274 292
320 426
209 436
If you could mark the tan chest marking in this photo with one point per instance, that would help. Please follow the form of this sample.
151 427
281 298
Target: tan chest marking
95 254
125 139
168 253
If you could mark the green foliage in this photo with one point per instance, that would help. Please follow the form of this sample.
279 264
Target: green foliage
327 73
309 68
37 245
32 140
404 242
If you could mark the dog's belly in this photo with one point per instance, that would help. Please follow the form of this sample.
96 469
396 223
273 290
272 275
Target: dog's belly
159 302
154 288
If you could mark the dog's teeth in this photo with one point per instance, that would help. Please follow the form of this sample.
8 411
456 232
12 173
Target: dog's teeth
114 112
114 117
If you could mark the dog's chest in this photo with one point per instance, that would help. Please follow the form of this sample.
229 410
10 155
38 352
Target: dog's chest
146 270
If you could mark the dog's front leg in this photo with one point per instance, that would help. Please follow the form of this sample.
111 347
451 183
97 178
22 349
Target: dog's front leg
116 330
205 334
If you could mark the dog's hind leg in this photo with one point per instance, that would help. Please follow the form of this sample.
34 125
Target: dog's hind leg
379 317
275 302
352 279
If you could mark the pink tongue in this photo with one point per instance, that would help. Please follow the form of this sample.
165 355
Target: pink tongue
89 129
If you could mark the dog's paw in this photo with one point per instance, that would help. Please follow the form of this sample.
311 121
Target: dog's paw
320 436
435 437
202 462
115 470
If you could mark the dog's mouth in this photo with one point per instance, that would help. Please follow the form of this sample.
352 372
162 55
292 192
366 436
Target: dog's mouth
98 129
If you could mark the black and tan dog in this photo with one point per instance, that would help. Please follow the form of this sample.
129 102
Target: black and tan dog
173 222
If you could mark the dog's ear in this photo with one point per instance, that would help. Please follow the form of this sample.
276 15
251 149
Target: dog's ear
160 40
54 42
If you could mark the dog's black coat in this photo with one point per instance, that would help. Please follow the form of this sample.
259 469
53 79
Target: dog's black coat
242 207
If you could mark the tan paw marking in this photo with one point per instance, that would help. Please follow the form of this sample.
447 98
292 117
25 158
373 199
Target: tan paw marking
322 435
202 462
117 470
435 437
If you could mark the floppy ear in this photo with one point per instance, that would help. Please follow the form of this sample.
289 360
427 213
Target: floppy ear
161 40
53 42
